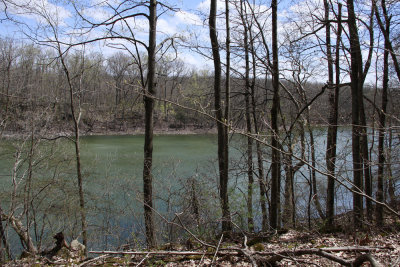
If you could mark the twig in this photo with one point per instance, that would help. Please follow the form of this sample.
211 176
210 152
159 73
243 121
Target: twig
181 225
193 235
363 258
351 187
93 260
396 262
202 258
355 249
216 251
249 255
162 252
147 255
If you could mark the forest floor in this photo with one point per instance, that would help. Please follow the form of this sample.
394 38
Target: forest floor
293 248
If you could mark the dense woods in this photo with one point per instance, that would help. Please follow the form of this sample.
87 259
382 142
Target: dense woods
306 93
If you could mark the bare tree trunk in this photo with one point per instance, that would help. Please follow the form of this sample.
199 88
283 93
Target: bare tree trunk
391 183
356 97
313 173
148 138
79 175
333 114
366 161
288 210
227 76
276 164
6 86
247 94
260 165
21 232
76 119
382 121
222 142
3 240
227 109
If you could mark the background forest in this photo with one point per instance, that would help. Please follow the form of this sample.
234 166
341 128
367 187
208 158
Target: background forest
300 99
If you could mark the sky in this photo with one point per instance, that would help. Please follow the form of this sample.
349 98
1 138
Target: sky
170 24
189 23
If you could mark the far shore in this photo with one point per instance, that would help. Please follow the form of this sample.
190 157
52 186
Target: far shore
136 131
55 134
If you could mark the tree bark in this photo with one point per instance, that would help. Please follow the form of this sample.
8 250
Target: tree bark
149 122
275 164
382 121
333 114
3 240
76 119
222 141
260 165
356 98
23 233
391 182
288 219
247 95
313 172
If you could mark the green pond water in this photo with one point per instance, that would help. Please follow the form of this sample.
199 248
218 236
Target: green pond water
112 170
116 157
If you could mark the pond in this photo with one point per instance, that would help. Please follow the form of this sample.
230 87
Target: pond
184 168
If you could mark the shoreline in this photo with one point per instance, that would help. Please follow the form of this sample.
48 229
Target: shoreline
133 132
100 131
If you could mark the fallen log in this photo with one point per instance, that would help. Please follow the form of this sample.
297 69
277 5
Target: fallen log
269 258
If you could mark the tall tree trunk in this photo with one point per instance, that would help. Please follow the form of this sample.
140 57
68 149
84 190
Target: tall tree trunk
6 86
317 203
227 107
330 148
363 121
250 185
382 121
365 160
260 165
288 210
222 141
275 164
227 76
76 117
333 124
356 98
80 178
148 138
247 94
391 182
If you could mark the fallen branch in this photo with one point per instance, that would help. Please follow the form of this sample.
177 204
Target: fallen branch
283 254
216 251
93 260
234 251
270 258
162 252
147 255
355 249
